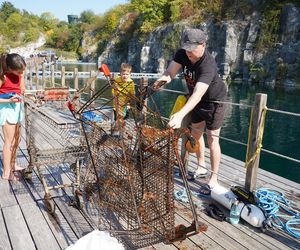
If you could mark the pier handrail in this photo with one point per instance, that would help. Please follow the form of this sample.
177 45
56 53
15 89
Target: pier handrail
86 74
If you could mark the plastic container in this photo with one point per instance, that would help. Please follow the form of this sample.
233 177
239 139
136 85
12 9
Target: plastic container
235 213
249 212
179 103
91 116
7 95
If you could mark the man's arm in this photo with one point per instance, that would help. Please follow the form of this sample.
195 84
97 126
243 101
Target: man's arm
195 98
168 75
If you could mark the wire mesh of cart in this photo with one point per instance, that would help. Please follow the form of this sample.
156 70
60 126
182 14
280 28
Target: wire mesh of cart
128 181
53 137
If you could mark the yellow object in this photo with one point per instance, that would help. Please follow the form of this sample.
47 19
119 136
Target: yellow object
180 102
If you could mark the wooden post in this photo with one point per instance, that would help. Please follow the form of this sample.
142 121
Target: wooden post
63 78
255 140
29 77
43 75
36 68
92 89
76 79
52 75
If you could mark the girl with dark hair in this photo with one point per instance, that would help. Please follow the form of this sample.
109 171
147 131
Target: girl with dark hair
12 86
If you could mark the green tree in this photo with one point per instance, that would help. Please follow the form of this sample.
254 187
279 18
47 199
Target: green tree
14 26
48 21
31 35
6 10
65 37
87 16
153 13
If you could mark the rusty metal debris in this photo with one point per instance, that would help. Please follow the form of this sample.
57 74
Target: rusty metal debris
128 179
53 137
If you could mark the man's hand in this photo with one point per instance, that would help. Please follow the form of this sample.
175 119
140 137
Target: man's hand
160 82
175 120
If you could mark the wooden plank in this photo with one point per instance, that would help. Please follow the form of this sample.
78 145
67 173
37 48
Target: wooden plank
7 199
162 246
291 192
214 237
60 117
57 222
5 243
231 173
199 241
233 168
264 176
17 230
21 192
74 217
39 229
61 230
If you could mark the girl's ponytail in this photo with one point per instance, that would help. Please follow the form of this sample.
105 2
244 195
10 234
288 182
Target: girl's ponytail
3 65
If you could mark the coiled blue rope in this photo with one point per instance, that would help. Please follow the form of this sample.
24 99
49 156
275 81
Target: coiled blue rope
273 202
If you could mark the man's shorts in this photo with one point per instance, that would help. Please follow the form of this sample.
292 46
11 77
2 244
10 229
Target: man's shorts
210 112
11 113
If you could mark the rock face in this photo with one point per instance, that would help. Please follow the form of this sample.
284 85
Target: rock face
30 48
232 43
89 47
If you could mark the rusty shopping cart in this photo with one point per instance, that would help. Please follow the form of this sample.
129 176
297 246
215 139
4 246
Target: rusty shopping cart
53 137
128 180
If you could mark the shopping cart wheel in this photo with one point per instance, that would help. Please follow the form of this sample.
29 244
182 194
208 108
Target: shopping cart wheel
78 201
27 174
49 204
73 167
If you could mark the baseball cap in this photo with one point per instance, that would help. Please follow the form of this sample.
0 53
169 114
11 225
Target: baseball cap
192 38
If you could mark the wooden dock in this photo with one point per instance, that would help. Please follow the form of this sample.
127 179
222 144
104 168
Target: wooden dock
25 224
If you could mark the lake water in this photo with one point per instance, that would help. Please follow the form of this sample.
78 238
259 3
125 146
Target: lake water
281 134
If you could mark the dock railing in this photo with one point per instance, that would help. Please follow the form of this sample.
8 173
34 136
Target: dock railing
43 79
50 77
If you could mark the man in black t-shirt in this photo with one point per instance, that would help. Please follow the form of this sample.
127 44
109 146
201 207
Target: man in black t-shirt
206 88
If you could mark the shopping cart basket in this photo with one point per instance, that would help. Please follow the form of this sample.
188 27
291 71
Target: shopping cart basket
128 179
53 137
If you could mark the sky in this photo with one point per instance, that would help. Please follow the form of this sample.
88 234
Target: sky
61 8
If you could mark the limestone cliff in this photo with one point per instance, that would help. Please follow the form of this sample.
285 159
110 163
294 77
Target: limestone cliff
233 43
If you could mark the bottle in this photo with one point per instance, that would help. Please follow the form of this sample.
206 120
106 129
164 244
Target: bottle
234 216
